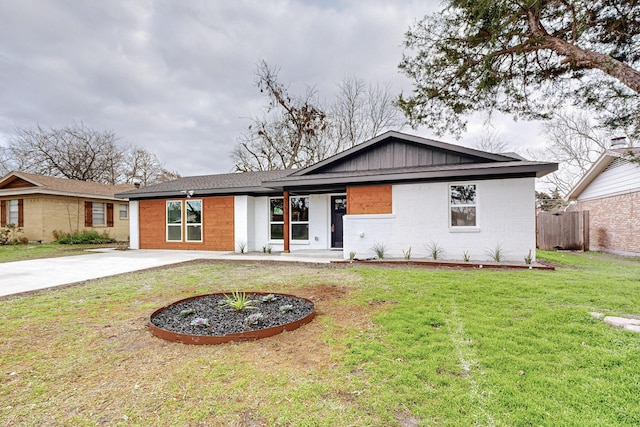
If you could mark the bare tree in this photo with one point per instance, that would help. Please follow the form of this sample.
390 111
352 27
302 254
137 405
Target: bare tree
290 132
5 163
362 111
79 152
143 167
575 143
296 132
75 152
492 141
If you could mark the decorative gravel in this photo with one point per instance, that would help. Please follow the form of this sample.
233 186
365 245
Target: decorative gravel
224 320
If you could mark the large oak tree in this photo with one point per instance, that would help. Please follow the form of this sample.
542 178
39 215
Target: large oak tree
525 58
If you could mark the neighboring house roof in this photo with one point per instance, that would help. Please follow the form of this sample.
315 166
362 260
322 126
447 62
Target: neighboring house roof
390 157
603 162
22 183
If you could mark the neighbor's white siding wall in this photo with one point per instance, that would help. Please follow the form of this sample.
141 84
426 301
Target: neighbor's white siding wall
134 225
505 216
620 177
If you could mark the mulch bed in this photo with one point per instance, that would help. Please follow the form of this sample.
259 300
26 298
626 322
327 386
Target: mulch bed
223 320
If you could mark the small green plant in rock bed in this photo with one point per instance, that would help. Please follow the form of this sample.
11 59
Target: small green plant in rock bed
269 298
200 322
239 301
286 308
253 319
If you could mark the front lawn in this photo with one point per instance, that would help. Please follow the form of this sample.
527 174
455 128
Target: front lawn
10 253
391 346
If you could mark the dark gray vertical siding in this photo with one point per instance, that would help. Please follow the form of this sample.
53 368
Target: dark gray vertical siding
397 154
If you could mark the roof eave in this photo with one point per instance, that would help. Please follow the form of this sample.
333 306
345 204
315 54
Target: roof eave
234 191
38 190
535 170
601 164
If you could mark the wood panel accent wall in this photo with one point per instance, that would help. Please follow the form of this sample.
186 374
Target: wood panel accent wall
18 183
375 199
217 225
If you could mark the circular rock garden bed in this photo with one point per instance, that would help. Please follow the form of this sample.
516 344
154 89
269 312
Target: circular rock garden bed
223 317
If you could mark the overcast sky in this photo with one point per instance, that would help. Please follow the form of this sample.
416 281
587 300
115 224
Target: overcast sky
176 77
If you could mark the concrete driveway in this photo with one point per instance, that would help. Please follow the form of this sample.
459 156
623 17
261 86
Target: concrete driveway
26 276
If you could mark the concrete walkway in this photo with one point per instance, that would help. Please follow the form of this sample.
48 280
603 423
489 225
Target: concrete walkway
26 276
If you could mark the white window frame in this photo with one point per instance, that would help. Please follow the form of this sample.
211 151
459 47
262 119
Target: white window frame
125 211
100 209
192 224
168 225
271 222
473 205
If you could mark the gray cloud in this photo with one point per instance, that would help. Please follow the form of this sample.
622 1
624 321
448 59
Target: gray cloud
177 77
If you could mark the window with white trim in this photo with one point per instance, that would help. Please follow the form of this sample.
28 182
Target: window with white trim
193 216
276 218
463 202
299 213
123 210
174 220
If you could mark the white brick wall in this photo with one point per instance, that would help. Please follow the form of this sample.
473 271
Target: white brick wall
505 216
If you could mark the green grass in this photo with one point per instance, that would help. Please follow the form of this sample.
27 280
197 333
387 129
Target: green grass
10 253
441 347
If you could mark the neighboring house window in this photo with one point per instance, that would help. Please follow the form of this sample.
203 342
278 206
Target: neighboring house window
463 200
194 220
11 212
174 221
299 218
97 214
276 218
124 211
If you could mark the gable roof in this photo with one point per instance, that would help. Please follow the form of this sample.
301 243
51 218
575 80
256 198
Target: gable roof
390 157
19 183
395 150
598 167
396 157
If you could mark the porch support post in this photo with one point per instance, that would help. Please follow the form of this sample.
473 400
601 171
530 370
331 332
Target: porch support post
286 221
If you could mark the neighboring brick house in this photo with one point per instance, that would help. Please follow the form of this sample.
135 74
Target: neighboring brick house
42 204
610 191
396 189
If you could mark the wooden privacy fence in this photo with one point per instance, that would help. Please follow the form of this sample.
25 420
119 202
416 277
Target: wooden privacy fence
563 230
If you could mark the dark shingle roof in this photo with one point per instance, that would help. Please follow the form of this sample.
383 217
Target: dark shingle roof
229 183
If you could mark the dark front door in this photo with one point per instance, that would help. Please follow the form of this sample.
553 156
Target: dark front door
338 209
